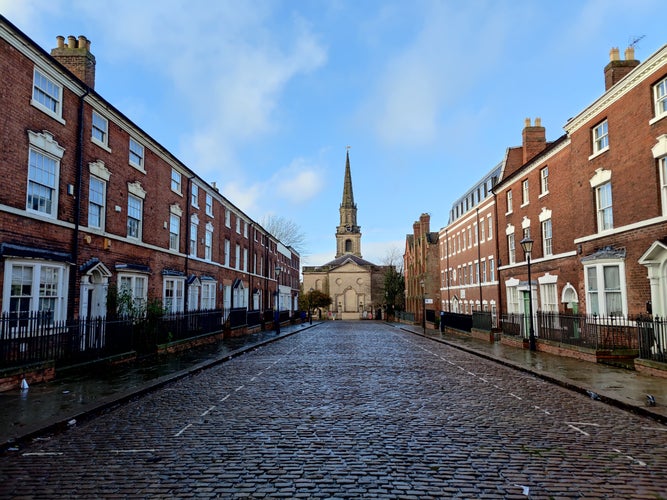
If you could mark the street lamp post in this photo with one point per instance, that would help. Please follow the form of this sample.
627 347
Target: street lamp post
310 314
278 270
423 308
527 245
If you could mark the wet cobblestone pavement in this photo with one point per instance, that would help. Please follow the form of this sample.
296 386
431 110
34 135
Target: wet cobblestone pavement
350 410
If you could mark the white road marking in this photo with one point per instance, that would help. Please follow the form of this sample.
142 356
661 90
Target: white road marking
639 462
515 396
239 388
207 411
483 379
223 399
43 454
253 379
578 429
543 410
147 450
182 430
584 423
661 429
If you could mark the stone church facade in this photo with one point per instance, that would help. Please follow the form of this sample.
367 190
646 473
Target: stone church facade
355 285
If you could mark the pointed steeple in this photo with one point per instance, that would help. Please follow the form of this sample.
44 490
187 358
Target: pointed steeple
348 233
348 195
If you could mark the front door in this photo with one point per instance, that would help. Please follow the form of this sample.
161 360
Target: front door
526 314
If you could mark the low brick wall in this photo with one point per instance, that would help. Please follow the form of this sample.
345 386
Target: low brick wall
649 367
484 335
569 351
39 372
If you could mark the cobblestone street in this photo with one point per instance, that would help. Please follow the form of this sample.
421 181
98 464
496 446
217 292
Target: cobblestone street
351 410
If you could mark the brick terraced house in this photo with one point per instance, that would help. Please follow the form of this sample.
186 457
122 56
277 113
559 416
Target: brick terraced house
90 200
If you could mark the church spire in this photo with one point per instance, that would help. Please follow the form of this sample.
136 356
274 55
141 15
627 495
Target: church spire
348 233
348 195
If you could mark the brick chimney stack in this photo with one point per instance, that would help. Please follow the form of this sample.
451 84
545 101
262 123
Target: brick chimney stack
534 139
616 70
75 55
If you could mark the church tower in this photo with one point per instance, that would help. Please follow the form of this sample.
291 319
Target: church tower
348 234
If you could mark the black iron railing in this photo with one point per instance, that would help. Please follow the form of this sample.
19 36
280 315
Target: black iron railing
592 331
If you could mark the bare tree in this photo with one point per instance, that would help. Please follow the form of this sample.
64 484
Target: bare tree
394 257
286 231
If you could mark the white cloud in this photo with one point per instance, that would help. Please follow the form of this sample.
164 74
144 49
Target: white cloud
408 102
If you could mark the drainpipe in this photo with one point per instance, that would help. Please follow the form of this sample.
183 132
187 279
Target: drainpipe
188 200
77 207
479 263
449 274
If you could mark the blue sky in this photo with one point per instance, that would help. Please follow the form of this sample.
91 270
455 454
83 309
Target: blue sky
263 97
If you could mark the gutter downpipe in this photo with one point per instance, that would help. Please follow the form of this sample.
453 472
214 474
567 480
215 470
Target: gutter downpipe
77 209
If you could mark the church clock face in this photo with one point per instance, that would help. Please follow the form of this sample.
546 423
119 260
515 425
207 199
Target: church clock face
348 228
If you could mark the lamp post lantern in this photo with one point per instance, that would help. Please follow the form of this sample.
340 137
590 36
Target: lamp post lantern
527 245
278 271
423 308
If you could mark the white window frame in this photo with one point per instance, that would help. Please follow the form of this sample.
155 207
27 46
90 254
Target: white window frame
548 294
492 270
660 98
193 238
525 192
510 208
245 259
194 195
136 154
547 237
511 248
208 290
176 181
237 256
600 137
137 286
173 293
490 232
174 232
41 182
95 205
227 251
238 225
604 206
228 218
193 295
99 130
41 291
131 212
208 242
544 180
597 268
47 95
209 205
513 297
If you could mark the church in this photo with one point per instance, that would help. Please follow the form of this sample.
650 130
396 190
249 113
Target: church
356 286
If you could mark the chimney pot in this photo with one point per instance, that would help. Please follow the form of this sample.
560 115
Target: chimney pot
630 54
526 122
614 54
71 42
60 41
82 42
538 122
